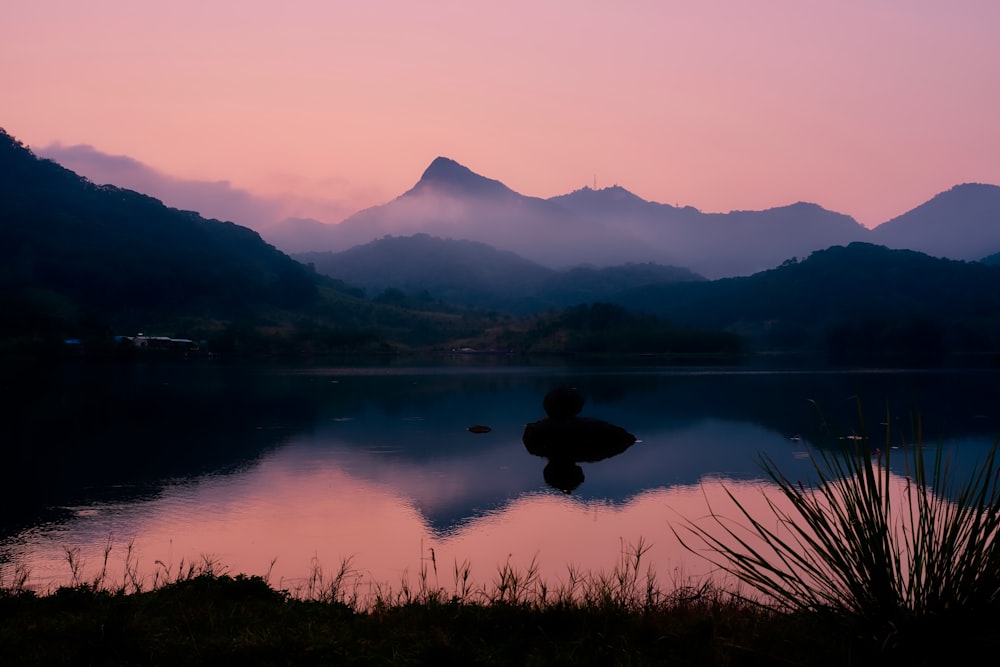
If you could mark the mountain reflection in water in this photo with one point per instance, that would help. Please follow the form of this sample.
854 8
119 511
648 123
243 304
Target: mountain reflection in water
313 466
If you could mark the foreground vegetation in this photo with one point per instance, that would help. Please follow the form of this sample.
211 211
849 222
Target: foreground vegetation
203 616
865 567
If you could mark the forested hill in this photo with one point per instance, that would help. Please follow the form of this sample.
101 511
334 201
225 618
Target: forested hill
76 256
857 295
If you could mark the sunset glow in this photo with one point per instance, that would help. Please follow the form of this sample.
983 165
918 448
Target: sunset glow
324 108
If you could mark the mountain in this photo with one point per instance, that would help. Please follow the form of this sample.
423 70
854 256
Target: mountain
962 223
587 227
450 201
473 273
604 227
716 244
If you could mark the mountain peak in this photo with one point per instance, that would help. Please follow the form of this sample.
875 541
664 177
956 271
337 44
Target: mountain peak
445 175
444 168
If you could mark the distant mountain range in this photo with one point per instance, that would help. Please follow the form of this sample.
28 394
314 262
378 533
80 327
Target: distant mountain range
83 259
612 226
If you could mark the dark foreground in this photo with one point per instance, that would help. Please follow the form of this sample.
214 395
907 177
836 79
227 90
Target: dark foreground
209 620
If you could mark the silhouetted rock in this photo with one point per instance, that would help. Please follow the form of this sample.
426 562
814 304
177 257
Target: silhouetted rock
580 439
563 403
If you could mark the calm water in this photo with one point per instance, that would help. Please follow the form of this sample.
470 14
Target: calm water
280 469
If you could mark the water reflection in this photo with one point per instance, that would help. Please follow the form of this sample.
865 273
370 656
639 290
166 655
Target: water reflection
249 464
566 439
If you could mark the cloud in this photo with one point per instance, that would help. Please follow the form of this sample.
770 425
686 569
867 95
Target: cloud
212 199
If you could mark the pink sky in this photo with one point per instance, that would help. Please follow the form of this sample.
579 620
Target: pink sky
866 107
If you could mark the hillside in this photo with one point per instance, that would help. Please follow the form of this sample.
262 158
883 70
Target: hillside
476 274
450 270
716 245
861 296
73 252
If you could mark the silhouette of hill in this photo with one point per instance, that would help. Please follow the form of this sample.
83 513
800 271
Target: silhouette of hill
75 251
865 296
472 273
962 223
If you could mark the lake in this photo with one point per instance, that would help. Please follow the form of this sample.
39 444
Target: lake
288 471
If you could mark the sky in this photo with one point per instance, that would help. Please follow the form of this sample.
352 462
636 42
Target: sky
319 108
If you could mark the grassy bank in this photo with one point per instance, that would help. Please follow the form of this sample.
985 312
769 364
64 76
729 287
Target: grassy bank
210 618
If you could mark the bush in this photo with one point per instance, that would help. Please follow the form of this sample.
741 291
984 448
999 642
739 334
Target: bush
902 561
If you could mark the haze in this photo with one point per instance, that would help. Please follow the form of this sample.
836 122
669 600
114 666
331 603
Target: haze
253 110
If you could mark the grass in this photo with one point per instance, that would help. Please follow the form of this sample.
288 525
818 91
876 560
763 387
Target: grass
199 614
